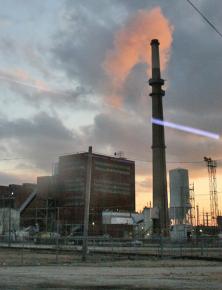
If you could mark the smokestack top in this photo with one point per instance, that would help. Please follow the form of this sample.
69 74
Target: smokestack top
156 75
154 42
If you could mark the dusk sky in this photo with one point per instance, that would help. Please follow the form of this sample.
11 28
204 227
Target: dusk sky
74 73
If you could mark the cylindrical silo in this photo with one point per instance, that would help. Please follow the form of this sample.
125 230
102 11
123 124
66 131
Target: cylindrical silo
179 193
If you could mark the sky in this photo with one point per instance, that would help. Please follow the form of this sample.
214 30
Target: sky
74 74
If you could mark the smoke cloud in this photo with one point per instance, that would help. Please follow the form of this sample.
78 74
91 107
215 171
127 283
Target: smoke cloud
131 46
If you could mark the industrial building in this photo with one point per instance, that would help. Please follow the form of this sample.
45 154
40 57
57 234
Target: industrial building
60 199
126 224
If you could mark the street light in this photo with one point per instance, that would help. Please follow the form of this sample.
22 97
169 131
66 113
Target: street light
93 228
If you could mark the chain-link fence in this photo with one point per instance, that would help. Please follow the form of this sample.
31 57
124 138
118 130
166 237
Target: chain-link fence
57 250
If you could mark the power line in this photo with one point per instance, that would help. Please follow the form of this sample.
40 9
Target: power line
134 158
206 19
170 162
10 159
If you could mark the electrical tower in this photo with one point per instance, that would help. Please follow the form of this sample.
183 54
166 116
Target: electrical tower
212 165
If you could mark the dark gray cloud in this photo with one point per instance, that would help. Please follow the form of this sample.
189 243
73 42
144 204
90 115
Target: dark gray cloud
6 179
41 125
81 45
40 140
37 93
118 131
194 72
43 138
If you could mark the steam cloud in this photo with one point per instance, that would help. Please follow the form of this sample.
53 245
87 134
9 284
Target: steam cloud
131 46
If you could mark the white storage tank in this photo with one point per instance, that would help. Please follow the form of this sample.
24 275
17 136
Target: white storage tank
179 193
181 232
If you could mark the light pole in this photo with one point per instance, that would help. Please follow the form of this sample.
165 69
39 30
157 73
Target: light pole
10 218
87 204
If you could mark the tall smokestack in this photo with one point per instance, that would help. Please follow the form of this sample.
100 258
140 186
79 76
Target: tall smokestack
161 220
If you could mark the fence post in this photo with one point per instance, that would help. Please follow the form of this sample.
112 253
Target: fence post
57 245
181 252
161 246
22 252
9 224
57 235
202 247
112 248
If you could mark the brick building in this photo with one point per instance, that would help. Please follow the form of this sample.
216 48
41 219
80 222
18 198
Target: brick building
60 198
112 187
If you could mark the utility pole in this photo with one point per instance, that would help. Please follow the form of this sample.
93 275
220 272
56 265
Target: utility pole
198 216
203 217
207 218
87 203
10 218
10 223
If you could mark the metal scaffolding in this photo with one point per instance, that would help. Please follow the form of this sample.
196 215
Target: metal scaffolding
191 213
212 166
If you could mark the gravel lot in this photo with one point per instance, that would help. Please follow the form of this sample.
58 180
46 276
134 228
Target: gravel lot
125 274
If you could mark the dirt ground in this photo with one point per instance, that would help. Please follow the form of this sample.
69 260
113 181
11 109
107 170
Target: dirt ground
120 274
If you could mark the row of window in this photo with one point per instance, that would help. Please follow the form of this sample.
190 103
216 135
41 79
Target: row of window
112 170
72 167
75 181
112 185
112 166
112 189
110 182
